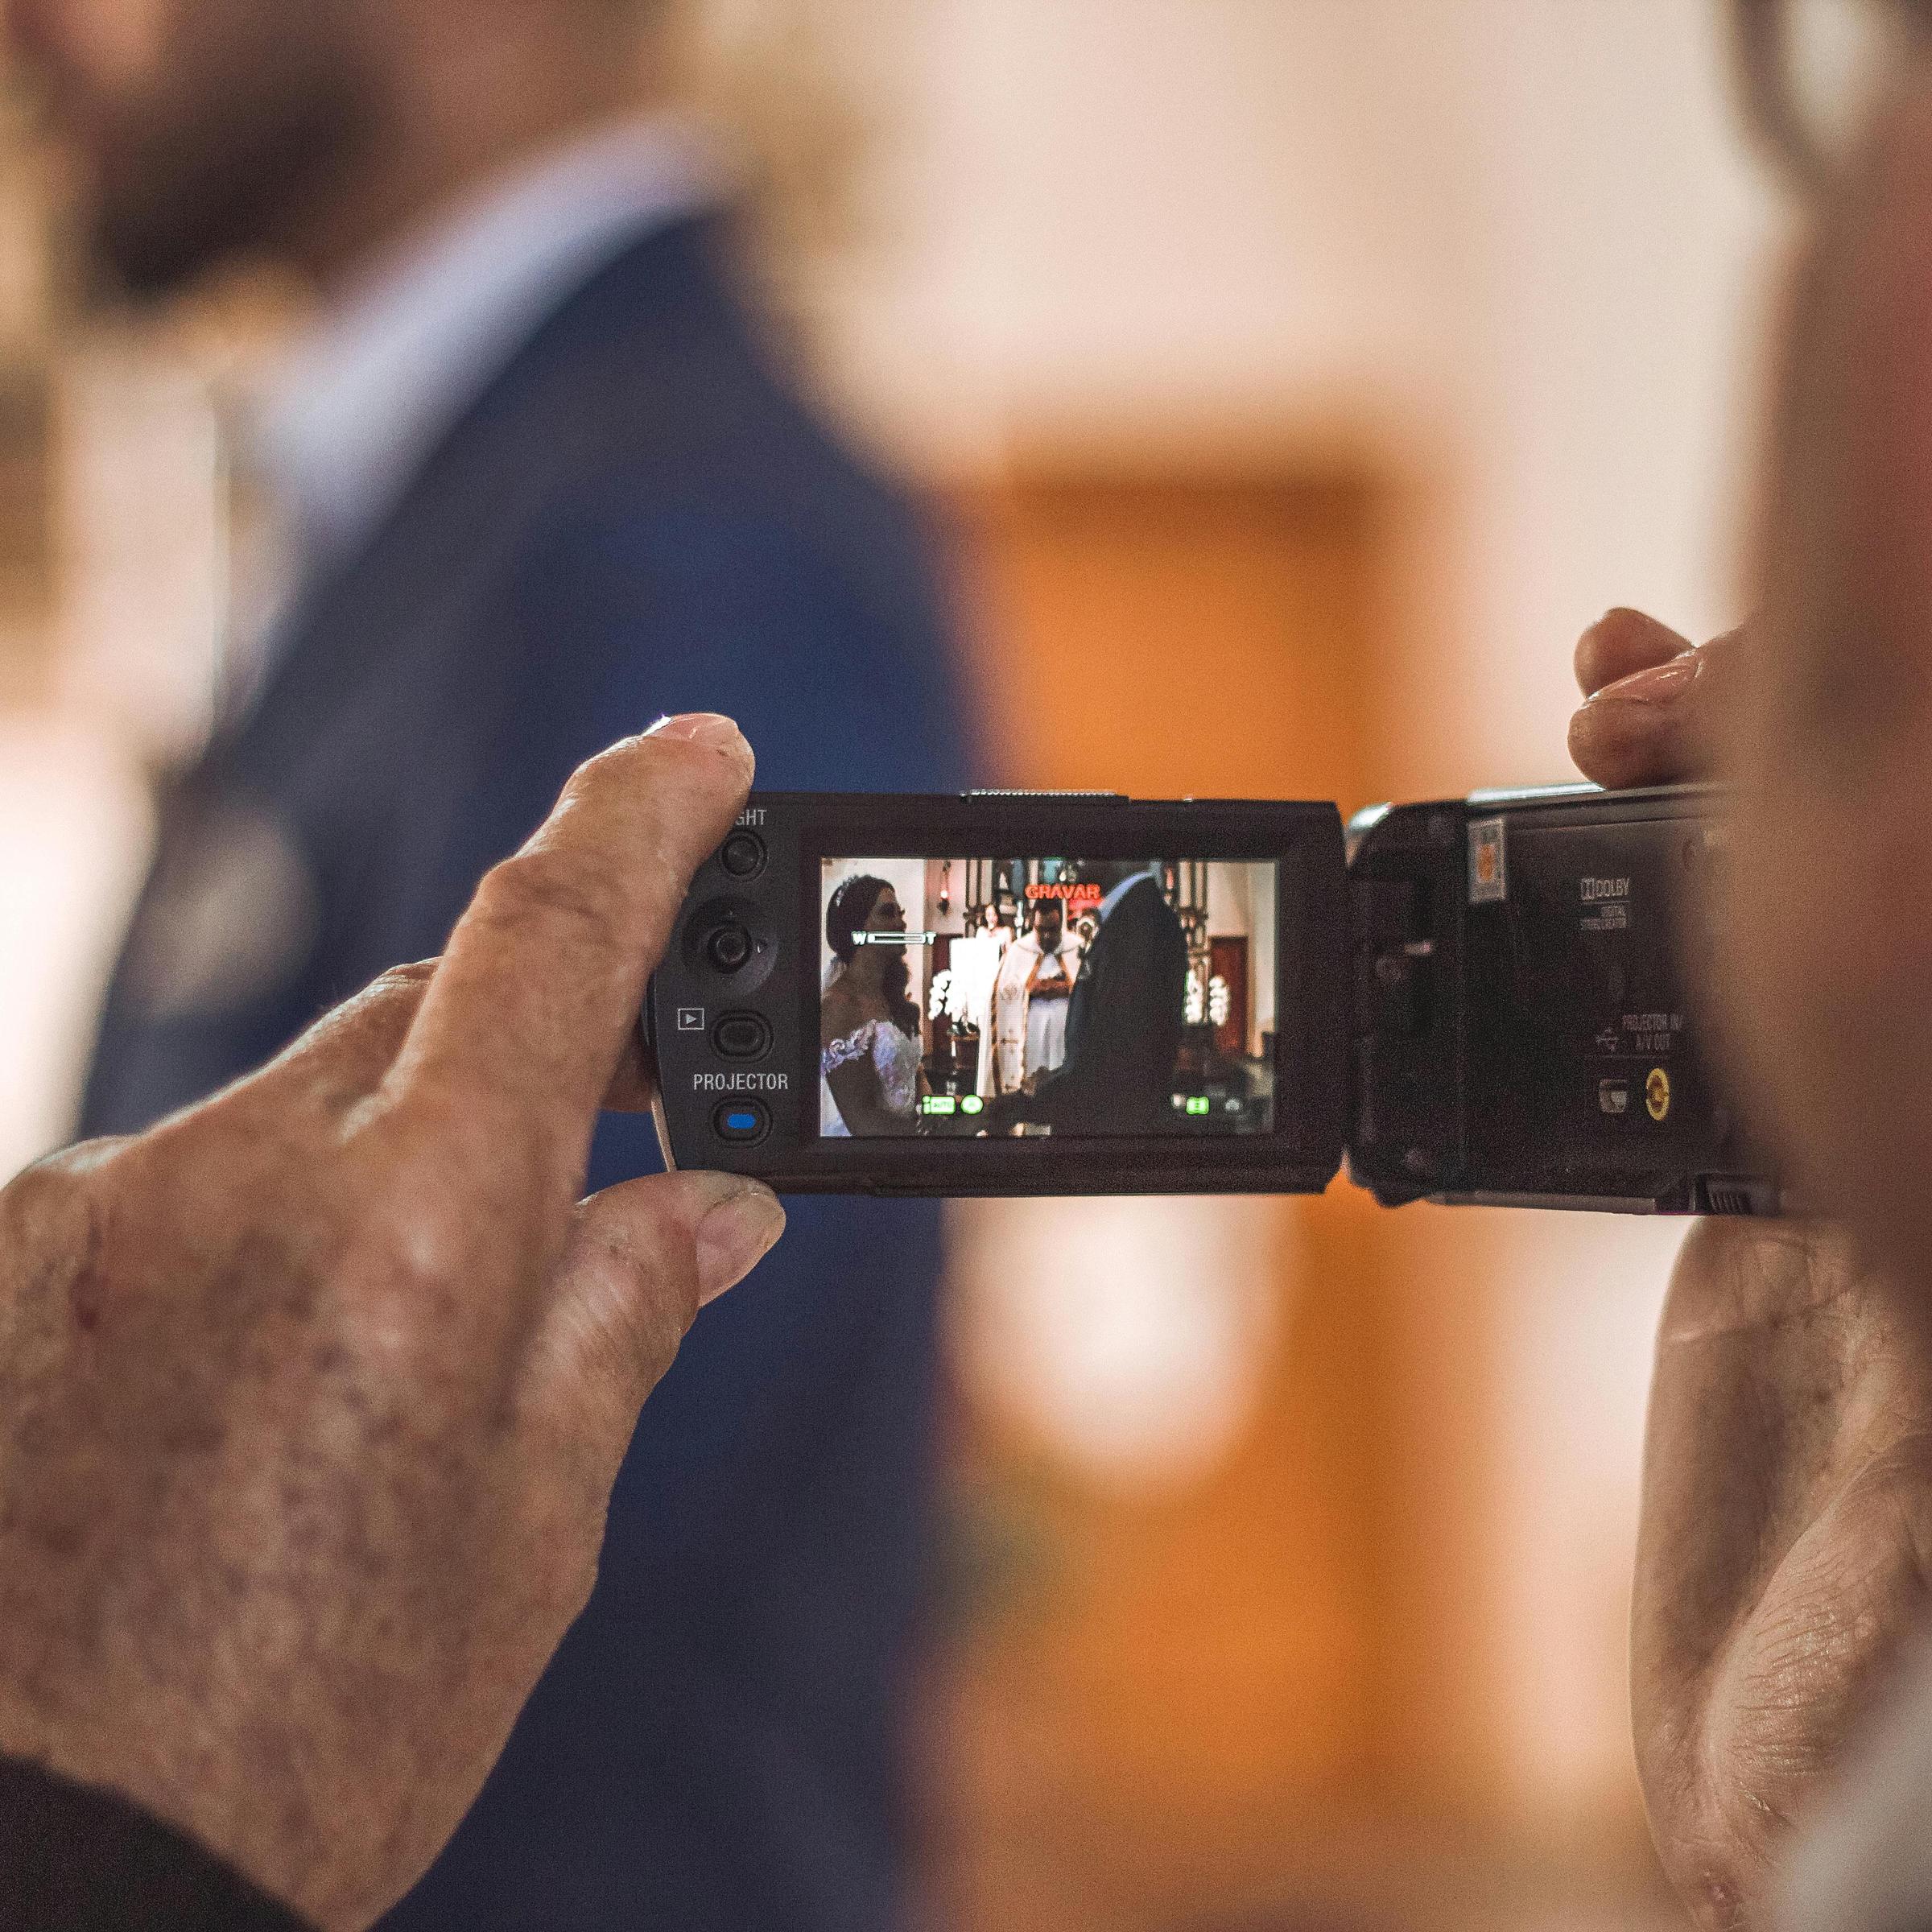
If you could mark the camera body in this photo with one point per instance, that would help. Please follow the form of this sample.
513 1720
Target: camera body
1530 980
1006 993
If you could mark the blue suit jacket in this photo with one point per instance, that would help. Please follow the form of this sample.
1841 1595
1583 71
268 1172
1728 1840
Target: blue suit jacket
638 517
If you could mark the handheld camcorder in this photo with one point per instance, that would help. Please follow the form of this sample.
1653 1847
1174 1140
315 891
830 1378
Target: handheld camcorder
1483 999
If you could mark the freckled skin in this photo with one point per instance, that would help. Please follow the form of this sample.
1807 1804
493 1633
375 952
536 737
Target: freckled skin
1783 1563
310 1399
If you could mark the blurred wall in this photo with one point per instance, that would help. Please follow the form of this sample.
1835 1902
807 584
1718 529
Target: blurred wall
1514 244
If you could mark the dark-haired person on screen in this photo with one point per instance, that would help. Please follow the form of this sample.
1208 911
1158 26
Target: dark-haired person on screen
1125 1018
869 1050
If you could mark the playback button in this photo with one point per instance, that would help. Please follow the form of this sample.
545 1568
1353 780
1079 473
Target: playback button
741 1123
742 1036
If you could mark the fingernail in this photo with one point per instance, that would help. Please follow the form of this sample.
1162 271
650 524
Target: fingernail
734 1237
697 728
1660 684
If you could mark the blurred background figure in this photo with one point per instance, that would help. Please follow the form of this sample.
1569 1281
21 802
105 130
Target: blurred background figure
537 481
1301 379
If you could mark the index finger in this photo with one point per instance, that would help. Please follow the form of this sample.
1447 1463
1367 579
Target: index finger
529 1015
1663 725
1621 643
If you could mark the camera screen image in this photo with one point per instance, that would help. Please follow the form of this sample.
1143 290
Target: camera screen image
991 998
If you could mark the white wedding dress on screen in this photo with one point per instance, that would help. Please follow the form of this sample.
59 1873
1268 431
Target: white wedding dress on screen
894 1055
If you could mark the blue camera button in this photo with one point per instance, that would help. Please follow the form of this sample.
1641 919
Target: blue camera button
743 1122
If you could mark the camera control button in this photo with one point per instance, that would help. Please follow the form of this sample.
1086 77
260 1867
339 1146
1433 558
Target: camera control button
743 1122
729 948
742 855
742 1036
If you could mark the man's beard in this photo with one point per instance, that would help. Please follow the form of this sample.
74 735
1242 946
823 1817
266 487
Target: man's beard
181 203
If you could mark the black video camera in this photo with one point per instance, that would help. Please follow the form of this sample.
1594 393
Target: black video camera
1482 1000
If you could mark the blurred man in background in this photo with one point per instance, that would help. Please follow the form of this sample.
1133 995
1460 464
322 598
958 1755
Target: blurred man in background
542 485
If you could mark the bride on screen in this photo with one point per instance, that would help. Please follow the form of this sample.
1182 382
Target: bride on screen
868 1066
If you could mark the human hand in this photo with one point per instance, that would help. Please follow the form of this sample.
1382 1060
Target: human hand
312 1398
1781 1563
1655 705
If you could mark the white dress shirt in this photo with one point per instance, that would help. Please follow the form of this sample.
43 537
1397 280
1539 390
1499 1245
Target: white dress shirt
334 440
356 408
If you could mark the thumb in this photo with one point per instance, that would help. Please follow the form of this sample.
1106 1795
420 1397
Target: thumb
641 1259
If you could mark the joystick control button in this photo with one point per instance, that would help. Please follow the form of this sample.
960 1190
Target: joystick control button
729 948
742 1036
743 1122
743 855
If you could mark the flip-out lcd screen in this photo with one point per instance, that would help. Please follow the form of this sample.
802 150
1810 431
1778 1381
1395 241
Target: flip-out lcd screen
1005 998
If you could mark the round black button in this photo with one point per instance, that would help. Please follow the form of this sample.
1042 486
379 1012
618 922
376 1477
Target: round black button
742 1036
743 856
729 948
743 1122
